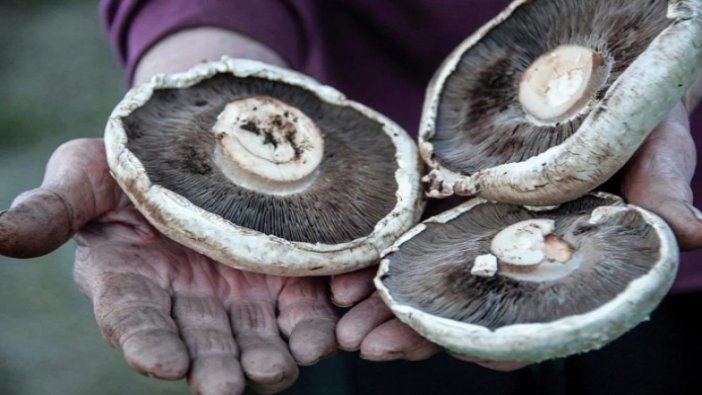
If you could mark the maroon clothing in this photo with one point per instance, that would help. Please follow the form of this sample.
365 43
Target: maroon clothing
378 52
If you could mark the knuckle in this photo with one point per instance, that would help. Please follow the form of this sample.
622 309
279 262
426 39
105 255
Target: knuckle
254 317
116 289
318 314
77 146
124 322
209 342
199 310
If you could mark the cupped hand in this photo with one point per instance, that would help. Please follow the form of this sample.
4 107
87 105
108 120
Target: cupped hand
371 328
172 312
657 178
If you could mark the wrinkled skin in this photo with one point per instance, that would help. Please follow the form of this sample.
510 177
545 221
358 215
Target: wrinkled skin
172 312
175 313
657 178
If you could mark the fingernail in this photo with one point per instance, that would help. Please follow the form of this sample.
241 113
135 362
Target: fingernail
388 356
692 208
341 304
320 359
348 349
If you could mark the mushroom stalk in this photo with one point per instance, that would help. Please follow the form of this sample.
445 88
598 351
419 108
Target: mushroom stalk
267 146
531 251
560 84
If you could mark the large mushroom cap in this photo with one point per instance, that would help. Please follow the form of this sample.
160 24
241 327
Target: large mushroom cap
264 169
506 283
552 97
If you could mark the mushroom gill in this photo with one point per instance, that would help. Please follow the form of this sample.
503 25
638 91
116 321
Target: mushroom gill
353 190
432 271
480 110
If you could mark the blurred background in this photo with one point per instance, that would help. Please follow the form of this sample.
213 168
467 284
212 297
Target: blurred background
58 81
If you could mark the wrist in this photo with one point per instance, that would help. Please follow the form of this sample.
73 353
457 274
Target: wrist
183 49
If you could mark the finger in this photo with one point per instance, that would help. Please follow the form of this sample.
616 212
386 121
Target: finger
308 319
134 315
77 187
358 322
395 340
265 358
214 356
694 95
132 309
349 289
493 365
658 178
683 218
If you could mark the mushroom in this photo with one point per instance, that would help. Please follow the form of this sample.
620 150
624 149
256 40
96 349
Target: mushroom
264 169
552 97
567 280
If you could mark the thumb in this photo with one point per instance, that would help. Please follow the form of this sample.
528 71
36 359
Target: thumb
658 178
77 187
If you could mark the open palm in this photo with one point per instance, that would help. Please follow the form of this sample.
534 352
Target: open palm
171 311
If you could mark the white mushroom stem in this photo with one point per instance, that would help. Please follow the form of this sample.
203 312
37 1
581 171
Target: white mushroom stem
484 266
268 146
523 243
560 84
530 251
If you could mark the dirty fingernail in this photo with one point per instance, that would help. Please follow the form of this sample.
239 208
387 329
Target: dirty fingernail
692 208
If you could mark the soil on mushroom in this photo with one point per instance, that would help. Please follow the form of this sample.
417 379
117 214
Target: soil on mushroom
171 136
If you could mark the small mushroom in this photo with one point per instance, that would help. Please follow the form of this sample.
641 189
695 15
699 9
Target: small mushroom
549 99
264 169
568 280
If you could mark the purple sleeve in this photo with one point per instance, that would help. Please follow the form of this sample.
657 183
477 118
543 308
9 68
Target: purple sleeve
133 26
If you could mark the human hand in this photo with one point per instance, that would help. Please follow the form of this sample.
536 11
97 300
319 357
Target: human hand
171 311
657 178
371 328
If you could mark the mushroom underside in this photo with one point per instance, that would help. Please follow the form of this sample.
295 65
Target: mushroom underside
479 109
355 187
432 271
